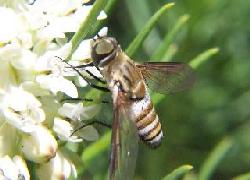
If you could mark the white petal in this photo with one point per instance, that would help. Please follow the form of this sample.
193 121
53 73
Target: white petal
94 71
64 130
103 32
39 146
25 99
50 32
78 111
35 19
55 7
10 25
16 120
26 60
102 15
56 84
8 168
57 28
83 51
49 61
22 167
34 88
26 40
81 82
71 110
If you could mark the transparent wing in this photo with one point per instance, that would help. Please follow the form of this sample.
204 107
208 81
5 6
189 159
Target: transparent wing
124 144
167 77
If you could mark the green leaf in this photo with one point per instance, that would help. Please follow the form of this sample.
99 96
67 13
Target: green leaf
245 176
146 29
215 158
171 51
95 149
160 52
87 25
178 172
203 57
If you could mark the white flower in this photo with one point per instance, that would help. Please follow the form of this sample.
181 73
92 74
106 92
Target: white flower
39 146
10 25
13 168
17 64
59 16
72 110
54 70
77 111
22 110
64 130
57 168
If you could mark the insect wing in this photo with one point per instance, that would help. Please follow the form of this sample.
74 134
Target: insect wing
129 144
124 145
167 77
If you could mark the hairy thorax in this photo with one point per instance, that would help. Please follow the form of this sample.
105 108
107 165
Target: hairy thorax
124 72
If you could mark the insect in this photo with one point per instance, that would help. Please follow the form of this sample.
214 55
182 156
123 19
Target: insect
129 84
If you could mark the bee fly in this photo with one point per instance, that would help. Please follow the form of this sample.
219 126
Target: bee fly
129 84
120 71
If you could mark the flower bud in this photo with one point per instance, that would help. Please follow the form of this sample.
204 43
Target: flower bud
57 168
39 146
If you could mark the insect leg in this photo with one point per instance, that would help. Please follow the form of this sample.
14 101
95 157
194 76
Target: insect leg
83 99
104 89
32 3
90 73
91 123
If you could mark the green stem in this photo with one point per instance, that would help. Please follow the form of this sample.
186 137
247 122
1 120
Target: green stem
215 158
178 172
159 53
201 58
146 29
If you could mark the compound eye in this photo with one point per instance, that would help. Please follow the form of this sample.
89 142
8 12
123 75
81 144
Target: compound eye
104 47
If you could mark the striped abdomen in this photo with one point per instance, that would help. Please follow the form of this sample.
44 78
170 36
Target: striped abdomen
147 123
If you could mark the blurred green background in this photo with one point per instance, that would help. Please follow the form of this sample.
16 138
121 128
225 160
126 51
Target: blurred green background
215 113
